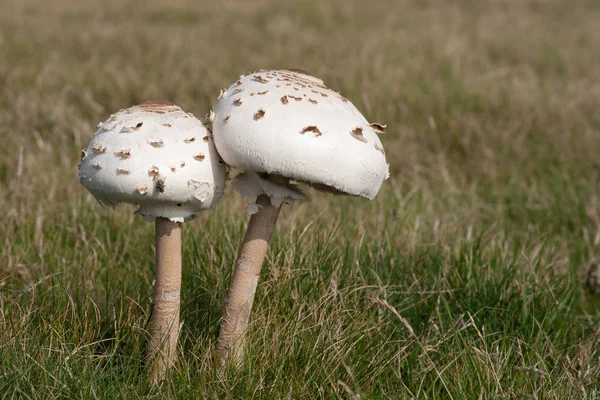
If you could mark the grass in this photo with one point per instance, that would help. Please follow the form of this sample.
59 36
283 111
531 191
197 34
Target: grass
464 278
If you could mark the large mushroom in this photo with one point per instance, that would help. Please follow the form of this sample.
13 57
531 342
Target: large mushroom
283 127
162 159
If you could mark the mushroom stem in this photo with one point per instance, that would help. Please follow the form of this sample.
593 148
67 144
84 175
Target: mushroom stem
246 272
162 351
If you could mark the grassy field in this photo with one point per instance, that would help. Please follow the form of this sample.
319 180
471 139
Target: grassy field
463 279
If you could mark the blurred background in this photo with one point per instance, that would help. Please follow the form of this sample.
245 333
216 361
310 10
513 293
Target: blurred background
481 238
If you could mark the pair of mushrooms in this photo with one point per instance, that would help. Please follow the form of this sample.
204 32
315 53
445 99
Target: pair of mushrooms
279 128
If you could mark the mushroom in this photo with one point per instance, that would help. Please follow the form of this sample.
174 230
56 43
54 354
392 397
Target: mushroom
169 183
327 144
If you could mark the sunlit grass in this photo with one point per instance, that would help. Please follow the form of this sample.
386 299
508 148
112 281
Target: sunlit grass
464 278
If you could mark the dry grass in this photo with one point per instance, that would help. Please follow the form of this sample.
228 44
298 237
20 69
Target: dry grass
463 279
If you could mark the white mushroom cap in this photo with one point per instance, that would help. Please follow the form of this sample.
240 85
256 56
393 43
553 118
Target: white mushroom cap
287 123
157 156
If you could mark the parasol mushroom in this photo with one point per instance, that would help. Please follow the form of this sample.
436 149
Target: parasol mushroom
162 159
282 127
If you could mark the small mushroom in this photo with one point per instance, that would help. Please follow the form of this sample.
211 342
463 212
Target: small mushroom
168 202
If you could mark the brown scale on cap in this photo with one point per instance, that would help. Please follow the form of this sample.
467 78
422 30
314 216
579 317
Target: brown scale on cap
294 97
238 83
378 128
259 114
312 101
157 143
182 164
302 75
167 125
259 93
155 103
123 171
284 100
206 139
357 133
153 171
236 91
259 79
379 149
126 153
142 190
83 155
189 140
311 128
199 157
237 102
226 118
96 165
159 106
98 149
